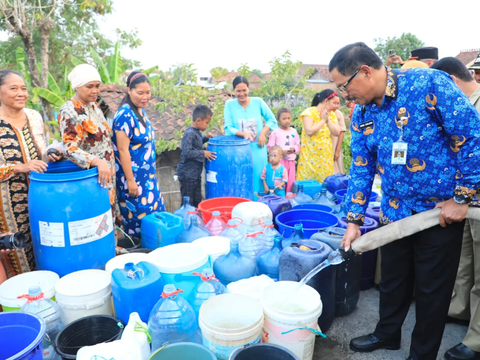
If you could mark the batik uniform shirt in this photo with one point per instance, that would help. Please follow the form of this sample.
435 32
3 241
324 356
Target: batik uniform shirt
86 136
442 130
18 146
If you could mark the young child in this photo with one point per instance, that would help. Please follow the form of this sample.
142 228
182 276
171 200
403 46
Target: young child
274 175
189 170
287 138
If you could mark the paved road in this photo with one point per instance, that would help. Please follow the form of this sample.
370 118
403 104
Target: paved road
362 321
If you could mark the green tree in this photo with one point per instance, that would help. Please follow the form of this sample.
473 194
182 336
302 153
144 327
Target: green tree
403 45
53 33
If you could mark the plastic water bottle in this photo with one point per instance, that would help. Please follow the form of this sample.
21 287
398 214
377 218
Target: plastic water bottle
206 289
172 319
268 234
301 197
251 246
233 266
292 198
322 198
268 261
216 225
52 315
193 232
296 236
343 210
183 211
233 231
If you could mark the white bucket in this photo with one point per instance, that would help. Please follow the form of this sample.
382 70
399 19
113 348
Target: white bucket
19 285
230 321
251 212
84 293
214 246
301 310
252 286
118 262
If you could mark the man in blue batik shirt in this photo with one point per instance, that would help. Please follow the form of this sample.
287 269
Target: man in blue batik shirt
422 135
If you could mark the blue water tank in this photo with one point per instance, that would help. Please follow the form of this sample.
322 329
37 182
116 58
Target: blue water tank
70 219
231 173
136 288
296 262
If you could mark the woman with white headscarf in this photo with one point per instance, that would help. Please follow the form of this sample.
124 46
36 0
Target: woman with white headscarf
85 132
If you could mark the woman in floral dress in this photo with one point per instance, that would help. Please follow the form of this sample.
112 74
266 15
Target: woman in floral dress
22 150
134 144
319 122
85 133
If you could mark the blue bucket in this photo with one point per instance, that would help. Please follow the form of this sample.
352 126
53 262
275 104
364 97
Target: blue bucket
340 194
21 336
318 207
312 221
183 351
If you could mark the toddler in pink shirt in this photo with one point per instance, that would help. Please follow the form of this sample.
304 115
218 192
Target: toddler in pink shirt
287 138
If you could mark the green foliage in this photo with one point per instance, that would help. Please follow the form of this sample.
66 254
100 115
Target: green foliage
244 70
402 45
346 151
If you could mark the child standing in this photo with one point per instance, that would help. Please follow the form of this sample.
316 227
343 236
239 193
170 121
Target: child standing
287 138
274 175
193 156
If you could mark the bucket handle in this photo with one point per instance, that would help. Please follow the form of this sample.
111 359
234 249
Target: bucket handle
119 324
315 331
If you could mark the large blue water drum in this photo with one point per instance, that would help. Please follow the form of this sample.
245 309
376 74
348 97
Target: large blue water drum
70 219
231 174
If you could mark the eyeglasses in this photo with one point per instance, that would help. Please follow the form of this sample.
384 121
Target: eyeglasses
343 87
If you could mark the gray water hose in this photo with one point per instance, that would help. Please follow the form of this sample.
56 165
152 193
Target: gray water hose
400 229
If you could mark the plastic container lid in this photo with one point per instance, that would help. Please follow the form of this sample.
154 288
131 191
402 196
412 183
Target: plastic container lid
178 258
213 245
118 262
82 283
20 284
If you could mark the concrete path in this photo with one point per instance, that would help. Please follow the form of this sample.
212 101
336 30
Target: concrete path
362 321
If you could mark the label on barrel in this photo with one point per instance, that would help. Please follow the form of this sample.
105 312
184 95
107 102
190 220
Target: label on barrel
88 230
51 234
211 176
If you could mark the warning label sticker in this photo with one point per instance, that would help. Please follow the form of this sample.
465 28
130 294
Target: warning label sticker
51 234
88 230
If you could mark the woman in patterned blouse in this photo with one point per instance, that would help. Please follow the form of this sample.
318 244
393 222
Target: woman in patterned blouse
85 133
22 149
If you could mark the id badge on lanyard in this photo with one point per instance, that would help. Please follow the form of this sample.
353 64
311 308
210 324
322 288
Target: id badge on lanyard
399 149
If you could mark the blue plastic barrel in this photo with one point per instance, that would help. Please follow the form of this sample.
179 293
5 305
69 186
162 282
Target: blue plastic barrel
21 336
70 219
161 229
312 221
319 207
231 173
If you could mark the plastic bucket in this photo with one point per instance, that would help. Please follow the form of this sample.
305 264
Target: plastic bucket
263 352
21 336
318 207
127 244
118 262
230 321
225 205
84 293
19 285
183 351
312 221
88 331
284 313
214 246
177 262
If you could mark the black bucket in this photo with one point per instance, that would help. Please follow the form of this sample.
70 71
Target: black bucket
87 331
263 352
127 244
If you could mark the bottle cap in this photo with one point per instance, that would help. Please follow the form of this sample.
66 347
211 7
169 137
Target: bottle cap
216 213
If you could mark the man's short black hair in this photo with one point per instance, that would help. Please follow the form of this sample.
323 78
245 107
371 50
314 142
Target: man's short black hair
201 112
349 58
455 67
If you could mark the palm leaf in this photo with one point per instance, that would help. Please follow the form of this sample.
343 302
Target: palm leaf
149 71
115 65
76 61
50 96
105 75
53 86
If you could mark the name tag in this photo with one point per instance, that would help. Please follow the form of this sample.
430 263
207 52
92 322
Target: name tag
366 124
399 153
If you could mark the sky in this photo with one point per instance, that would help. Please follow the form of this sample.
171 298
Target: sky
225 33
